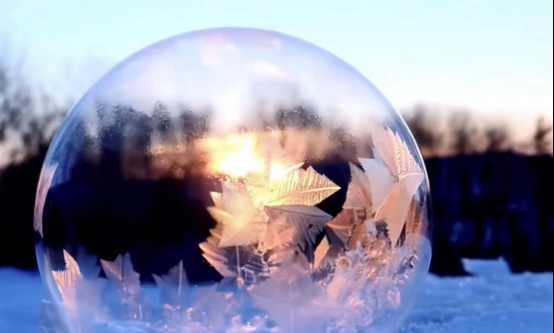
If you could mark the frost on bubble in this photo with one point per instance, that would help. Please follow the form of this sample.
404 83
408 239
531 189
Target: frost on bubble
285 264
46 178
407 175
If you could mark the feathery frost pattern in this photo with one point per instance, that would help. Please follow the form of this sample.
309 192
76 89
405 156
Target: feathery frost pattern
46 178
286 265
80 290
301 187
394 152
126 281
308 221
321 251
342 224
66 280
244 263
359 194
173 286
381 180
294 301
408 176
278 236
416 218
266 214
121 272
241 222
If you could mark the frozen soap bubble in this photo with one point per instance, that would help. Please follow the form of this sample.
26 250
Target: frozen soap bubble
228 181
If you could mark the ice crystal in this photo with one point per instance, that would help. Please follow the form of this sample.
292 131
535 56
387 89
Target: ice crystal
408 176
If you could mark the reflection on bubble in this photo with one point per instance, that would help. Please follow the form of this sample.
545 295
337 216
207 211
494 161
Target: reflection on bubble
232 180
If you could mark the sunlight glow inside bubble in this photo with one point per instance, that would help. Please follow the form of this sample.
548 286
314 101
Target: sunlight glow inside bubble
234 156
278 172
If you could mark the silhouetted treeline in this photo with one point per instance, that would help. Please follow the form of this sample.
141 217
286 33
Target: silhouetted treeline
440 133
489 200
490 206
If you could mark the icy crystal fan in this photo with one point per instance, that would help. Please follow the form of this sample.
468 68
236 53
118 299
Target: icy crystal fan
227 181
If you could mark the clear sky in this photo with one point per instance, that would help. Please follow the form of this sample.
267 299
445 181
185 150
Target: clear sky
487 55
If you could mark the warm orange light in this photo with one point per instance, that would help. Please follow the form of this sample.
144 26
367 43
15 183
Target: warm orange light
239 164
234 156
248 154
279 171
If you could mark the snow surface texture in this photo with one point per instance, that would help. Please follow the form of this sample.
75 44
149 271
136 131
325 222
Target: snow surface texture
493 301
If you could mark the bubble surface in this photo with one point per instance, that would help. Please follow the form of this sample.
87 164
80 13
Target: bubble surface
233 180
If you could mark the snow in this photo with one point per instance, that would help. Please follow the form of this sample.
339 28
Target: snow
492 301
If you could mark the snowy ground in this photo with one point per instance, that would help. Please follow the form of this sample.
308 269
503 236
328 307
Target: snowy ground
492 302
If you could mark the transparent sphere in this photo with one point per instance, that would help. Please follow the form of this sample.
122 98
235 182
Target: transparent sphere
233 180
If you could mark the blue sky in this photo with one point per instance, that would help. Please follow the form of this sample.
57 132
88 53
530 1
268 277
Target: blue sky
487 55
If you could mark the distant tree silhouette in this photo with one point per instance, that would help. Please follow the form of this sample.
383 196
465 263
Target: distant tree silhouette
463 133
427 136
22 129
542 138
497 138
